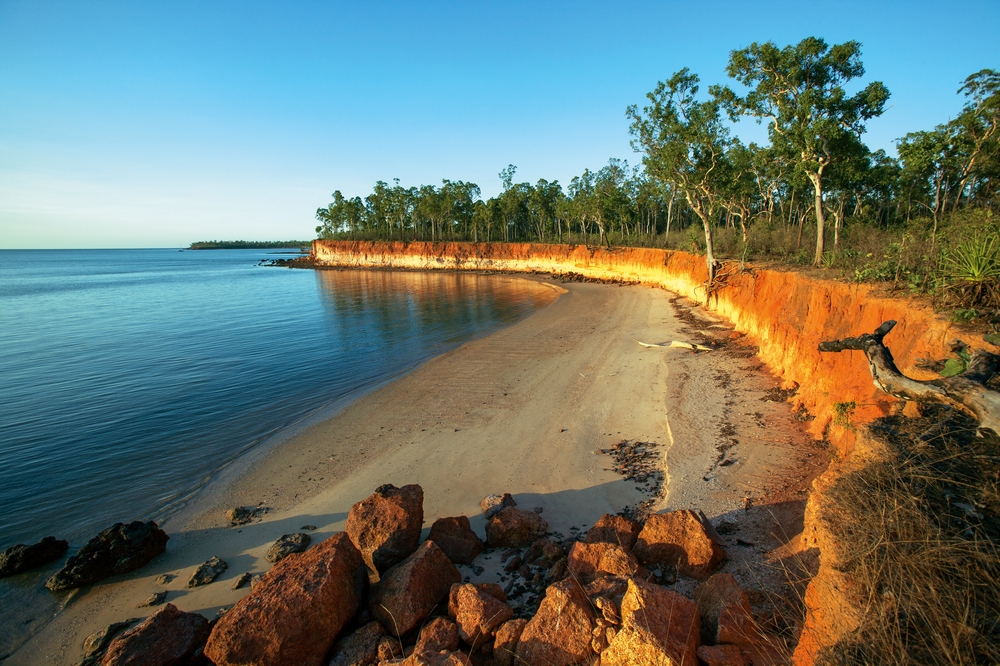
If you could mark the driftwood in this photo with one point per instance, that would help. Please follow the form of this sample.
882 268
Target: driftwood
677 343
966 392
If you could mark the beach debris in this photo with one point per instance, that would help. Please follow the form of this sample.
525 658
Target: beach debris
658 626
683 539
505 645
455 537
561 631
296 611
119 549
409 591
169 636
677 344
639 462
207 572
155 599
479 610
242 580
164 579
287 544
437 635
494 504
614 529
361 647
242 515
96 644
589 560
22 557
386 525
514 528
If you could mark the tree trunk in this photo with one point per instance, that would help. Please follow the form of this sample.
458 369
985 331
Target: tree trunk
818 204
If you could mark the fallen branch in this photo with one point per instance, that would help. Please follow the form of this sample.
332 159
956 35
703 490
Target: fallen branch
679 344
966 392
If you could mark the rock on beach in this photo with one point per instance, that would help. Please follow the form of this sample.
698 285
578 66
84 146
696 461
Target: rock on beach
21 557
386 525
119 549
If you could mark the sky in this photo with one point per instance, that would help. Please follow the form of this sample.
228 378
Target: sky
156 124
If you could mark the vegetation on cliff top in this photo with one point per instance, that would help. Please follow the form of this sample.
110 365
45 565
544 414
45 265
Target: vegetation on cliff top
925 220
242 244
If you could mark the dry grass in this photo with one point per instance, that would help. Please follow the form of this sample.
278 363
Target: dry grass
920 534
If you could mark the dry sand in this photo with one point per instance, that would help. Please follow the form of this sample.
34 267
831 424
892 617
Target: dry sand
525 411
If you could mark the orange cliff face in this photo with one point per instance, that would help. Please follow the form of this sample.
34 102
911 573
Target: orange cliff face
785 313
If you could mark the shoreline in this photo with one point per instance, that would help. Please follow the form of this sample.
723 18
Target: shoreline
521 410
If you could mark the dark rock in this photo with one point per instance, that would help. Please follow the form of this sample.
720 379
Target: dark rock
409 591
96 644
169 637
154 599
494 504
455 537
287 544
207 572
242 515
163 579
386 525
119 549
359 648
514 528
242 580
309 528
20 558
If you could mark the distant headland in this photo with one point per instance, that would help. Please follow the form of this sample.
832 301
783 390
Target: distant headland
246 245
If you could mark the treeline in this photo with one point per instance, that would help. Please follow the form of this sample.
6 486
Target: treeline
243 245
699 185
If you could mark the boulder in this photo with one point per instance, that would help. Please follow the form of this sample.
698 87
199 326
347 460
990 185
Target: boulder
409 591
478 612
588 560
492 589
437 635
615 529
155 599
560 632
359 648
713 597
242 580
20 558
386 526
505 645
294 614
431 658
494 504
514 528
241 515
721 655
207 572
658 626
287 544
169 637
682 539
96 644
389 649
119 549
455 537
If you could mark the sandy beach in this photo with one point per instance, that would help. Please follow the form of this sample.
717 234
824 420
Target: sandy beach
527 411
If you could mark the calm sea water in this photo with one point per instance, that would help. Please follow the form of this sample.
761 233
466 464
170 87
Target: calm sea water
129 378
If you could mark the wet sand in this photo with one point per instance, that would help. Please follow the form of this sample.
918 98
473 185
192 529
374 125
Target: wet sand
525 411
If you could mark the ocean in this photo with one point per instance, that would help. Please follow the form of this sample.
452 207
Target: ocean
130 379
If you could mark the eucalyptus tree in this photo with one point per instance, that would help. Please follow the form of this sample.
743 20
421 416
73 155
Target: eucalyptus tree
799 90
342 215
684 142
977 130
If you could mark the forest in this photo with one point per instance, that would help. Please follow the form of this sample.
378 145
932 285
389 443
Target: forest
815 195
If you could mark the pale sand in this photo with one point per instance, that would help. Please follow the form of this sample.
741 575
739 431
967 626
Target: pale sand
522 411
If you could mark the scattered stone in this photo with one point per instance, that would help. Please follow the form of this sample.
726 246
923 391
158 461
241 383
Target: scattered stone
505 646
295 613
514 528
721 655
208 571
615 529
154 599
386 526
359 648
242 515
658 626
96 644
409 591
437 635
21 557
494 504
538 509
243 579
164 579
119 549
588 560
455 537
287 544
682 539
713 597
169 637
560 633
639 463
308 528
478 611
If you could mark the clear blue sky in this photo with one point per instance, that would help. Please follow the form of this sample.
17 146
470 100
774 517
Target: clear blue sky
154 124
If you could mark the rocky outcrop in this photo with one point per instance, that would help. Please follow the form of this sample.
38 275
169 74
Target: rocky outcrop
560 632
683 539
359 648
494 504
119 549
169 637
287 544
294 614
207 572
386 526
409 591
587 560
658 626
615 529
514 528
455 537
20 558
478 611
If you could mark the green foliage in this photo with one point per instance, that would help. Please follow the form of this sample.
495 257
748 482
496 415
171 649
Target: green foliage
972 270
842 412
242 245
